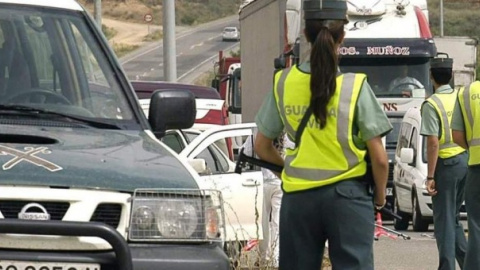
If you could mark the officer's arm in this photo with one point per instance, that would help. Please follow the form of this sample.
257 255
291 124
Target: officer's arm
266 151
459 138
379 159
432 154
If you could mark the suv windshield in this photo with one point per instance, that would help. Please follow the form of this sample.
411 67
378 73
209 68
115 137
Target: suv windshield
51 62
392 77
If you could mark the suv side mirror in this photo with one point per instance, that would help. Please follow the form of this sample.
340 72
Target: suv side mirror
198 164
171 109
406 155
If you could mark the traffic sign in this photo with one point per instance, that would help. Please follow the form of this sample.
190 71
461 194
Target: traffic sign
148 17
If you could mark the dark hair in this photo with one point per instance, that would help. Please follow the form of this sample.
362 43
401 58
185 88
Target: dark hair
441 75
324 35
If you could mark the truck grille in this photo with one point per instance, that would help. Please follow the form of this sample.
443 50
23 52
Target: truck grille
57 210
108 213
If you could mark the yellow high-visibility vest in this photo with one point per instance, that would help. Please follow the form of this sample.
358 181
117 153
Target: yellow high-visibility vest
444 104
327 155
469 100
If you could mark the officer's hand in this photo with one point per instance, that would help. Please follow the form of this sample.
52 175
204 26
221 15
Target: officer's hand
431 187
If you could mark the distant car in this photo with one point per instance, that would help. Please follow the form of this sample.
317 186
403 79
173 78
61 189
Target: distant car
231 33
411 200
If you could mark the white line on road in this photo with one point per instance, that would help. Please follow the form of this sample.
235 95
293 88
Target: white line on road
196 45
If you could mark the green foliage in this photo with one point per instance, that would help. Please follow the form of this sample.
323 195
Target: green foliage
459 19
108 31
155 35
190 12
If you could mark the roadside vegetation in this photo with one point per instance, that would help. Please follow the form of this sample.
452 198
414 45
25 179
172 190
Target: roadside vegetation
188 13
459 19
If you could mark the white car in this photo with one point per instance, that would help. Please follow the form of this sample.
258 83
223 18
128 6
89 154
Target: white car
242 193
411 200
230 33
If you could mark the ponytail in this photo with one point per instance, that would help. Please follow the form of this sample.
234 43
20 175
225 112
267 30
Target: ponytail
324 37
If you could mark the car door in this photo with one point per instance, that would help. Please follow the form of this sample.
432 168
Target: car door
242 193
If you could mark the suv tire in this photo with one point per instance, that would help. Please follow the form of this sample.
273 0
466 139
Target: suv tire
400 224
419 224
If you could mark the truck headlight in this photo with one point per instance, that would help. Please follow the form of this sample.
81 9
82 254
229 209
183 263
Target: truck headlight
171 215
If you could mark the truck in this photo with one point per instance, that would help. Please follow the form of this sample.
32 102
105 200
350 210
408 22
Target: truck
390 42
278 45
85 181
463 50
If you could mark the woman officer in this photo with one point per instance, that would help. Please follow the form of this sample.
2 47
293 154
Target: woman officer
334 119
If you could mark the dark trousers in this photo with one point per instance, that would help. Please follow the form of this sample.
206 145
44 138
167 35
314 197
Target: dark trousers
472 202
341 213
450 177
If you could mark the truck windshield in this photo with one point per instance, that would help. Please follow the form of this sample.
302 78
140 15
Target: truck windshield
52 62
392 77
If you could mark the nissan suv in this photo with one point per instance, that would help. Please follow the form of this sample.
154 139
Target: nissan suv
84 181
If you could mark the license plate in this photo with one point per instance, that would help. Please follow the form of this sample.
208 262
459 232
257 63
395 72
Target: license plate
22 265
389 192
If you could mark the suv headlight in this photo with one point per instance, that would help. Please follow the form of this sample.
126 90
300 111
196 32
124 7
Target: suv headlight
169 215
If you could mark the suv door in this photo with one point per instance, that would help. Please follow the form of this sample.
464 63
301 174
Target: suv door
242 193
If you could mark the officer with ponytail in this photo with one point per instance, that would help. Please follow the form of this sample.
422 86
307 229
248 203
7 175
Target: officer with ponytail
335 121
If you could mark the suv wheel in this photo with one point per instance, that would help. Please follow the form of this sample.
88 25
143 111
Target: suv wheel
418 223
400 224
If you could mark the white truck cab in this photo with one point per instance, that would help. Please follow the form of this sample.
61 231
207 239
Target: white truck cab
391 42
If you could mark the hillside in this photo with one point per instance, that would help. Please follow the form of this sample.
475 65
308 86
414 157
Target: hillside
188 12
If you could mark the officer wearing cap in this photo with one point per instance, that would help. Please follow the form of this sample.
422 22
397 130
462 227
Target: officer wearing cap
333 118
447 165
466 133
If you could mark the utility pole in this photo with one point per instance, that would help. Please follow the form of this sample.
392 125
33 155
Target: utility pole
169 47
98 12
441 18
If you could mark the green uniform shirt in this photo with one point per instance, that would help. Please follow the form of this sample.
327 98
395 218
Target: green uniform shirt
457 118
270 124
430 118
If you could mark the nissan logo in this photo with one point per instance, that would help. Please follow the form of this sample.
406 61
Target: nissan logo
34 215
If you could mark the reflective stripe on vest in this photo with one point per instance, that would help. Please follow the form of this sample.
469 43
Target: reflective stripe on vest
304 167
469 100
444 105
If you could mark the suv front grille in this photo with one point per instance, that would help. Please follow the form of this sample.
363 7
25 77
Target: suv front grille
108 213
57 210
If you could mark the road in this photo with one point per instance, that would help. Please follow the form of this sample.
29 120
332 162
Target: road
196 48
417 253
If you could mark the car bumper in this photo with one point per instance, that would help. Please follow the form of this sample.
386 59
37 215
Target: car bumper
172 257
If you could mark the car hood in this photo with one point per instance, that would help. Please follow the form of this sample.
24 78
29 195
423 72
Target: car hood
88 158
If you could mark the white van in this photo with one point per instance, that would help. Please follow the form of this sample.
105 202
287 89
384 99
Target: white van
411 199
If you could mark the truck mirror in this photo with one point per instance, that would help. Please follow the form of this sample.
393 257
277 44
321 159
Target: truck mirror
171 109
216 84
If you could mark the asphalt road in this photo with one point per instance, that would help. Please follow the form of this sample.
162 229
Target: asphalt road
392 253
195 48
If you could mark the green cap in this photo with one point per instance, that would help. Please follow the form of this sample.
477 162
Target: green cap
441 62
325 9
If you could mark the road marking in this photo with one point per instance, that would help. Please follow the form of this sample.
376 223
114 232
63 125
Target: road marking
196 45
